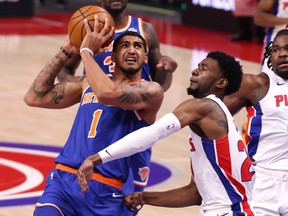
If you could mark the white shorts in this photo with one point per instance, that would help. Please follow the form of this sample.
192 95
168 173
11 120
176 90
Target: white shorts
216 212
221 212
270 192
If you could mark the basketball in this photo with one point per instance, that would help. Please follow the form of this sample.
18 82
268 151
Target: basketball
76 27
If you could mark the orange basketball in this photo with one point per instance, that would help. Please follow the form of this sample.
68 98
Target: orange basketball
76 27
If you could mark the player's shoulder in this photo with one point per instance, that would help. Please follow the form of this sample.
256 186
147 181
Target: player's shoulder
152 88
254 87
152 85
255 80
149 29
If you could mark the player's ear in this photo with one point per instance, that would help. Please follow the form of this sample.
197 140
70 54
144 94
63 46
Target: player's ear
146 58
222 83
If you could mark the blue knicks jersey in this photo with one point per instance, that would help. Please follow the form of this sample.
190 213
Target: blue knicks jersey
104 59
95 127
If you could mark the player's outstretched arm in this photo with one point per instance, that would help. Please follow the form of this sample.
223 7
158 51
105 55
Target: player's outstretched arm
129 145
180 197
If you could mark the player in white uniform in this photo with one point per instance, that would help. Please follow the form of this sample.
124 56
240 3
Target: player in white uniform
266 97
221 167
272 14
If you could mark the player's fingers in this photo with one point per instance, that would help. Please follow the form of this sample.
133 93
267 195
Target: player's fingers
105 30
82 180
106 22
96 23
86 26
162 65
135 206
83 185
111 32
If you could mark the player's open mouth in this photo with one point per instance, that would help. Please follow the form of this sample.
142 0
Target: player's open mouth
130 59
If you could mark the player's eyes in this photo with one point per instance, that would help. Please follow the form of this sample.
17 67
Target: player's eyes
274 50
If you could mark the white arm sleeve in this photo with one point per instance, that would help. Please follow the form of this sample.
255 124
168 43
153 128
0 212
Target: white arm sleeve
141 139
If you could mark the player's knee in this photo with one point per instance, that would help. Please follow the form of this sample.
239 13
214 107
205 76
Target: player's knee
46 210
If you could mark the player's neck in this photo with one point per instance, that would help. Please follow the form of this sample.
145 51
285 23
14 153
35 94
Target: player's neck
121 20
121 77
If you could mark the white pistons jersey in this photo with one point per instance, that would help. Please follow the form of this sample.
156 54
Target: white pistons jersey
222 169
267 127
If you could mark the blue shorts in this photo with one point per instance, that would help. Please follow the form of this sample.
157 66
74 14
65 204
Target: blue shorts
63 192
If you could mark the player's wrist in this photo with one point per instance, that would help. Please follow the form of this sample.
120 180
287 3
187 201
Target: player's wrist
96 159
86 50
65 52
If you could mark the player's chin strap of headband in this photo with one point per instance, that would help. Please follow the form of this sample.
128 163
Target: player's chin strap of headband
141 139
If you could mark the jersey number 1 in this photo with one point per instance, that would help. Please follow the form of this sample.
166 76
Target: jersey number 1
93 128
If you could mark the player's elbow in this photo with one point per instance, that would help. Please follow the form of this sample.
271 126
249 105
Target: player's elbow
29 101
32 101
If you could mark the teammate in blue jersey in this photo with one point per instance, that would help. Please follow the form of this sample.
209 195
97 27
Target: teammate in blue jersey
109 109
221 167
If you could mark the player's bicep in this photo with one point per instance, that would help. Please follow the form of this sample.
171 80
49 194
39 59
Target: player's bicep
190 111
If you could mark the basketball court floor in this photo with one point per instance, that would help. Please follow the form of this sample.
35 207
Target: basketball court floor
30 138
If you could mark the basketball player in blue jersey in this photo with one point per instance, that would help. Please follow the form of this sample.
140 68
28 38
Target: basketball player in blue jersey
159 68
220 165
265 97
109 109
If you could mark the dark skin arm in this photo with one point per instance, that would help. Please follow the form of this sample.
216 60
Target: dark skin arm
253 89
180 197
264 17
161 67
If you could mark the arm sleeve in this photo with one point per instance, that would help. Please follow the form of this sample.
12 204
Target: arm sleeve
141 139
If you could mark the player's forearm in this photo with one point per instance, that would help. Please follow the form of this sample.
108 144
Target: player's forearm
141 139
269 20
44 82
100 83
164 79
67 73
176 198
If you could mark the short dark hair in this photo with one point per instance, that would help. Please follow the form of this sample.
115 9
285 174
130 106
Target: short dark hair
268 48
231 69
132 33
